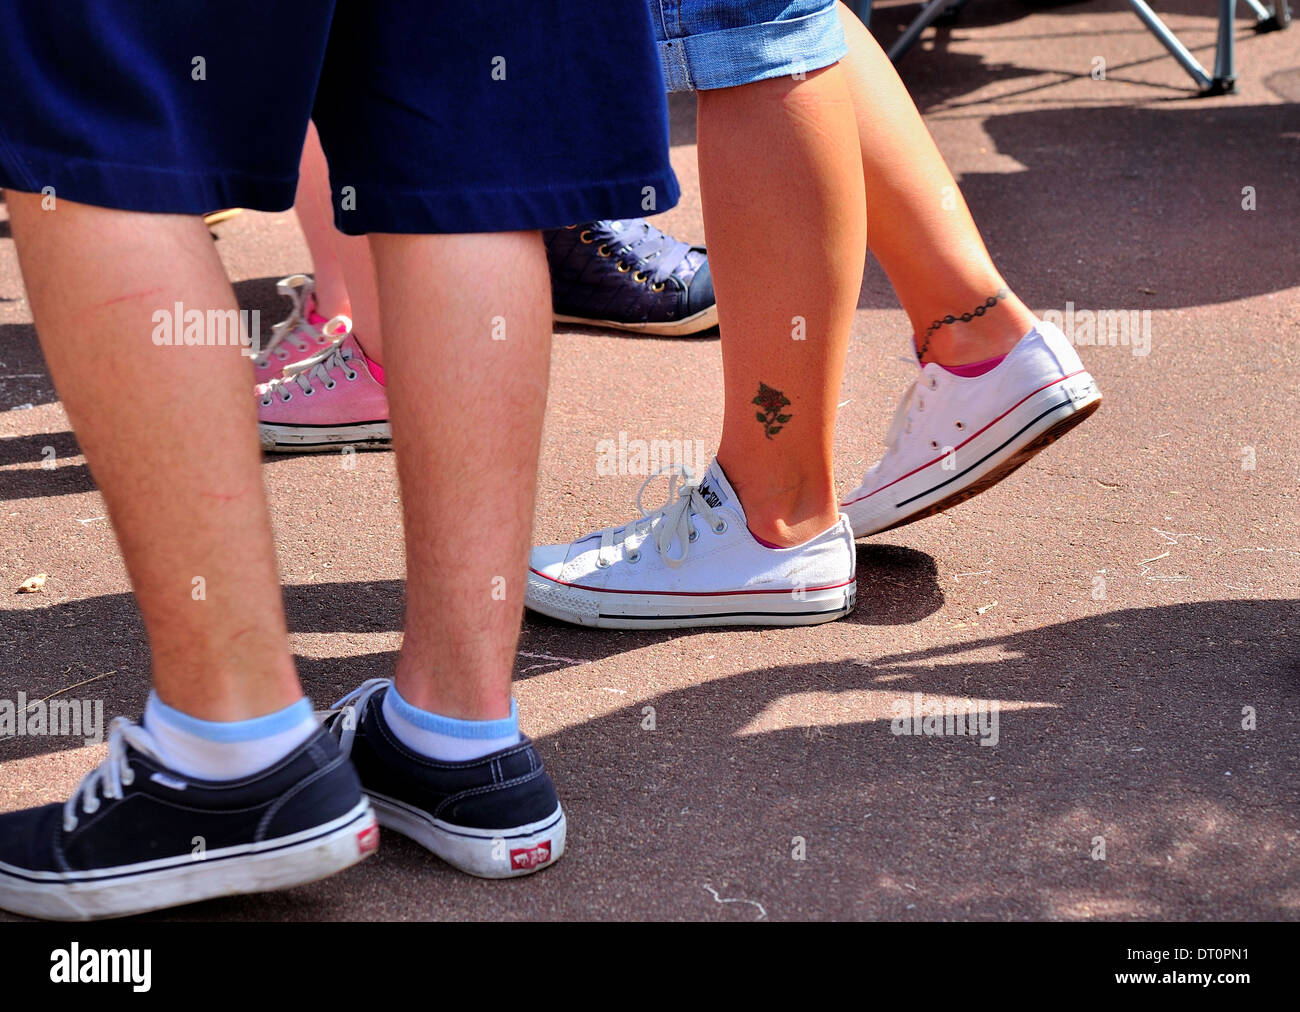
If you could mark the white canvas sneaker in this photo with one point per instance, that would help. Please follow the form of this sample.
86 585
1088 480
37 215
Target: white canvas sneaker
952 437
693 562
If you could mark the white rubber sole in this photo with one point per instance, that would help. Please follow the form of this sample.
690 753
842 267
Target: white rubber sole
687 325
324 438
979 463
607 610
501 853
156 885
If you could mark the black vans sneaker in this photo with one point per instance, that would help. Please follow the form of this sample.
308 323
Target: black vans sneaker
137 836
495 817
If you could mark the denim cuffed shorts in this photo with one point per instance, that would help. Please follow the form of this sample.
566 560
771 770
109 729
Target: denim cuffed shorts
706 44
435 117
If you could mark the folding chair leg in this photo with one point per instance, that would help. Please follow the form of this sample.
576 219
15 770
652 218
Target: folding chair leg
1225 75
1170 41
928 14
1271 21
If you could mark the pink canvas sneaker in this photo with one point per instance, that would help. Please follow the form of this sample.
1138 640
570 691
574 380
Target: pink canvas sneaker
326 402
298 336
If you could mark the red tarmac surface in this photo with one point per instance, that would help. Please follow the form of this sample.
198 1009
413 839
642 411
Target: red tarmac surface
1121 717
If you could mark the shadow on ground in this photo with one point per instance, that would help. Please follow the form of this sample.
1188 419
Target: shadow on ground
1132 733
1151 226
1125 725
89 637
35 480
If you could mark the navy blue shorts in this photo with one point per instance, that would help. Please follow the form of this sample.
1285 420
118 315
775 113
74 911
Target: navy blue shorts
493 115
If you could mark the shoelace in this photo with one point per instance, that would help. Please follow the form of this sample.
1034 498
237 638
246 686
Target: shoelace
655 253
316 369
348 711
902 420
671 520
286 330
112 774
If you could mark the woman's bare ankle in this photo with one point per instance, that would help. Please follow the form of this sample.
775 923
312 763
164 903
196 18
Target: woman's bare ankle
988 334
784 513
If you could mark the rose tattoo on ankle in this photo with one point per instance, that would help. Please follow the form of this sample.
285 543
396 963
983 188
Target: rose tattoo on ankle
771 401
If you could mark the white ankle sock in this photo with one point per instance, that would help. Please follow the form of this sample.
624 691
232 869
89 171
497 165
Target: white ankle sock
446 738
226 750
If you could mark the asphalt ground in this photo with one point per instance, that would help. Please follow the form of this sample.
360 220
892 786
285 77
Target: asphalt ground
1129 598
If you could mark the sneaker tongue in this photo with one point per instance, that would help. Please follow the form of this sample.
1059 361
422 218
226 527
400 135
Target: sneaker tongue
717 491
349 348
313 314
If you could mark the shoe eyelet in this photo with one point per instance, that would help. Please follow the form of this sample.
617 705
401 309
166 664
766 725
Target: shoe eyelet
281 354
960 425
920 404
603 250
309 392
933 383
934 444
330 385
601 563
695 536
641 277
585 236
570 226
286 398
622 267
658 286
721 528
266 402
351 376
634 557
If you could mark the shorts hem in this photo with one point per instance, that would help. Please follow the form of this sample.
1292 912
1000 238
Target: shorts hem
504 209
151 190
143 188
731 57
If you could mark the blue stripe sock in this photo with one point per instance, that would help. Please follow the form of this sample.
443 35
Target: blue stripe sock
226 750
448 738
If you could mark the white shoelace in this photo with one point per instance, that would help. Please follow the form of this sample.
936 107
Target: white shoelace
914 398
671 520
111 775
316 369
349 710
286 330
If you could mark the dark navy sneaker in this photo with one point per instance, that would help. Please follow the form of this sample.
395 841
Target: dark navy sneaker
495 817
137 836
630 276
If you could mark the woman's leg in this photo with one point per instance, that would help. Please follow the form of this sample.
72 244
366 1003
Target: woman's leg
341 264
783 154
759 540
959 430
921 231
